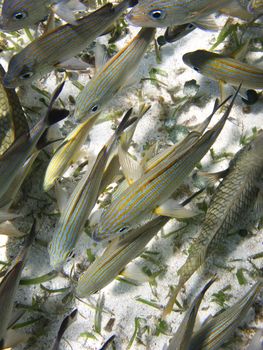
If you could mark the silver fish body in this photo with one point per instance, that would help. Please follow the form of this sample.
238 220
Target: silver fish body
157 13
79 205
230 208
143 196
116 256
43 54
110 78
225 69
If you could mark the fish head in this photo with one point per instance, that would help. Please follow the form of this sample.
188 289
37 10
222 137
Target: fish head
17 14
156 14
89 103
199 60
107 229
20 71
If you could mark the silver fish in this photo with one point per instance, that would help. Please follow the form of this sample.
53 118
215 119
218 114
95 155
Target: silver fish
236 196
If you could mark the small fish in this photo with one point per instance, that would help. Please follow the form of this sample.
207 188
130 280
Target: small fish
24 146
9 286
222 326
231 205
18 14
13 122
80 204
116 256
59 45
225 69
154 188
110 78
157 13
64 326
66 152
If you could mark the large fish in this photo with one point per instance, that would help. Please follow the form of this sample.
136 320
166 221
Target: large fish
80 204
13 122
144 196
116 256
59 45
111 77
225 69
23 148
17 14
238 194
157 13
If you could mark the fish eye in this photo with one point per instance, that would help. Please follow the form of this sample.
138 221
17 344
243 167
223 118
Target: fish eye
190 26
26 75
157 14
94 108
196 69
123 229
20 15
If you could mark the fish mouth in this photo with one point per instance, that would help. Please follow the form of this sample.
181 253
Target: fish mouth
8 83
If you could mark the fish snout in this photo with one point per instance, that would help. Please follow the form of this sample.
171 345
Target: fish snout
8 82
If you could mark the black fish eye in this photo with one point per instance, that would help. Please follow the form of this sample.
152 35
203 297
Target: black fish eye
123 229
20 15
94 108
190 26
26 75
196 69
157 14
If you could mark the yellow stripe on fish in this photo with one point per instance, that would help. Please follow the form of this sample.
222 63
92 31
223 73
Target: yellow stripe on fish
108 81
225 69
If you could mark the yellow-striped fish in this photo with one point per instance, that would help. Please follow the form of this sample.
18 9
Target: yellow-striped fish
110 78
144 196
13 122
66 152
116 256
53 48
80 204
225 69
17 14
158 13
24 146
237 195
221 327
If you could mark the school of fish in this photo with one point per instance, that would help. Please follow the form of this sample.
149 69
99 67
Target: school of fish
115 200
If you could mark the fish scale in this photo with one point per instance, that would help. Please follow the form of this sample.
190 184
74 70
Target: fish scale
232 202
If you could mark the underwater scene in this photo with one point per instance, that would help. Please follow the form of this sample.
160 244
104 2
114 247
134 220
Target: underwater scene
131 174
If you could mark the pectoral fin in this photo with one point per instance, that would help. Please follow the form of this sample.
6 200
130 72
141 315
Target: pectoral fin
65 10
174 210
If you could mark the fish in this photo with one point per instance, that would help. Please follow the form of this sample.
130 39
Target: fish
25 146
231 206
116 256
18 14
157 13
220 328
9 285
112 76
183 335
66 152
59 45
80 204
68 320
225 69
145 195
13 122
